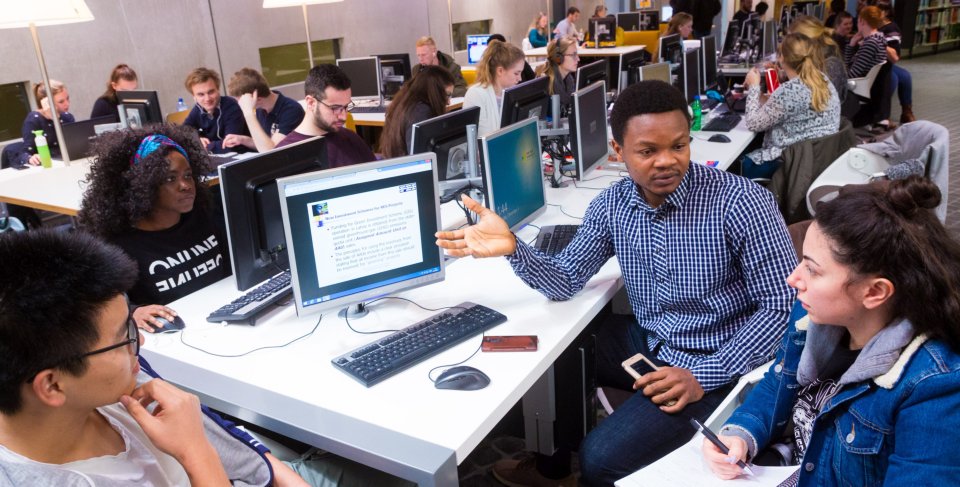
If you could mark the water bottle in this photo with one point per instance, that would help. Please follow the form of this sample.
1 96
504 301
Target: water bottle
181 106
697 114
42 149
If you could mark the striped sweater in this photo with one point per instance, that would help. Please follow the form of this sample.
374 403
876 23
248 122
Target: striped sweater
871 51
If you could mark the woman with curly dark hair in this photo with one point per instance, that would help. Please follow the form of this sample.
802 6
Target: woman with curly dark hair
145 195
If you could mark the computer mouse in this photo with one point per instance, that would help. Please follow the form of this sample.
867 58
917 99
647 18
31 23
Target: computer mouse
719 138
462 378
168 326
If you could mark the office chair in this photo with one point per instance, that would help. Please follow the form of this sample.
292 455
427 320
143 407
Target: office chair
856 166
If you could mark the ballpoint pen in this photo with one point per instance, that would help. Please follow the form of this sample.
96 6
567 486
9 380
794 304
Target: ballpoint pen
716 441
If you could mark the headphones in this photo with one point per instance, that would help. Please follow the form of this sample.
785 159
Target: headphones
557 55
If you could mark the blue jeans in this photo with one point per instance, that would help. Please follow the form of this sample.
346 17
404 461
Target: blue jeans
638 433
900 78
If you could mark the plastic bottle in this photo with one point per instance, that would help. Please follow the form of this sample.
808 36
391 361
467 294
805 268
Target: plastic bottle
43 150
697 114
181 106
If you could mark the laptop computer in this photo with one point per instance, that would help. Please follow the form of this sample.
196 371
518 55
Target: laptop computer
77 135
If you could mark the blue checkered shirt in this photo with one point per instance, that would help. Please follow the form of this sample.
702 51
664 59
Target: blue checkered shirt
705 272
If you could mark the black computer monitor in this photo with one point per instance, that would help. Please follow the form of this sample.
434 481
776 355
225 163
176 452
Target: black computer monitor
252 208
671 49
751 27
446 136
691 74
708 68
588 127
78 135
525 100
730 39
589 74
649 20
399 64
603 29
361 231
629 68
140 108
364 74
629 21
769 39
512 173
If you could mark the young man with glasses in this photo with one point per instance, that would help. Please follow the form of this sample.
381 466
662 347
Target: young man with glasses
328 95
78 406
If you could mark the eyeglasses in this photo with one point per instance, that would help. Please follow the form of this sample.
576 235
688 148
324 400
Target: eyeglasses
337 109
575 55
133 338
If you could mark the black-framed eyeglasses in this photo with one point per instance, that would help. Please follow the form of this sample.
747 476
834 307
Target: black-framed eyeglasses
133 338
339 108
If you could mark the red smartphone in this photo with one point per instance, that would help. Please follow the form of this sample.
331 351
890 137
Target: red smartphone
512 343
773 80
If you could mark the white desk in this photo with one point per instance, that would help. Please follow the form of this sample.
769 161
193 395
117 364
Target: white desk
589 52
378 119
402 425
58 189
724 153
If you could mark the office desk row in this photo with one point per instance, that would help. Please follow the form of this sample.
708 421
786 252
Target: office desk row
378 119
403 425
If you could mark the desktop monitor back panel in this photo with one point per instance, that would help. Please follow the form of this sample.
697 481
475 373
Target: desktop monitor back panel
364 74
588 128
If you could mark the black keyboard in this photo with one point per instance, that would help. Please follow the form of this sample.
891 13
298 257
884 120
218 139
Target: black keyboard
709 103
398 351
722 122
369 109
554 238
247 308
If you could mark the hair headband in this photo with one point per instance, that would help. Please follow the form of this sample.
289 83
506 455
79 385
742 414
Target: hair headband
151 143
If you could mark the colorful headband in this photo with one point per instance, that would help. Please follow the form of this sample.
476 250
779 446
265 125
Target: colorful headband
151 143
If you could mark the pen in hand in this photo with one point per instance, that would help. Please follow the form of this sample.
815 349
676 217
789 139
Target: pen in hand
719 444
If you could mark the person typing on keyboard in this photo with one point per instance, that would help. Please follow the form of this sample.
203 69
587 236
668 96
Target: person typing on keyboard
704 256
144 194
804 107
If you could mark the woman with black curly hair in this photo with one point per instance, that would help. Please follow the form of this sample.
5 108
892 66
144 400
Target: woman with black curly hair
145 195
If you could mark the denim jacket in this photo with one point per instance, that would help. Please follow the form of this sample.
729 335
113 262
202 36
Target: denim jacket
896 421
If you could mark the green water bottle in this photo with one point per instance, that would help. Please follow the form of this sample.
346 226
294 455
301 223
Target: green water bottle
697 114
43 150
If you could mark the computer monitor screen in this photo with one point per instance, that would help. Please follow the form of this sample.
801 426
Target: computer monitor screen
769 38
512 174
140 108
629 65
364 74
708 68
629 21
588 127
691 74
252 208
603 29
446 136
650 20
525 100
361 231
591 73
78 135
476 44
659 71
671 49
666 12
395 64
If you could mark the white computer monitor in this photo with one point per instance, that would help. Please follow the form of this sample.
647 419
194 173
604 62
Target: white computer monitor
512 173
364 74
358 232
476 44
660 71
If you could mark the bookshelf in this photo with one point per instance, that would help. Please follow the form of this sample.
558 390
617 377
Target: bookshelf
928 25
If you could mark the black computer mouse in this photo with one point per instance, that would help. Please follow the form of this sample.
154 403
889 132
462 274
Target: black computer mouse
168 326
719 138
462 378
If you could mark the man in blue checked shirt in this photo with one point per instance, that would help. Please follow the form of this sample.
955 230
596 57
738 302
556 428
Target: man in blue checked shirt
704 256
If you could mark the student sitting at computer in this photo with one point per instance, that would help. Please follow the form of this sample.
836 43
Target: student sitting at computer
328 93
269 115
681 23
145 195
214 116
806 106
538 35
704 256
868 47
122 78
499 68
79 406
833 64
429 55
561 68
42 120
868 373
425 96
527 74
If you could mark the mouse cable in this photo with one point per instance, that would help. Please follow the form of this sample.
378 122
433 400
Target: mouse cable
430 372
565 213
301 337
